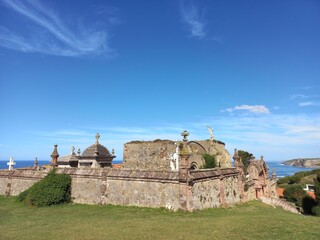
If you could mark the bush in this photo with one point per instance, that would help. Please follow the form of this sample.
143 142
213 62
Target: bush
283 180
52 190
23 195
210 161
245 158
294 194
295 179
316 210
307 204
317 188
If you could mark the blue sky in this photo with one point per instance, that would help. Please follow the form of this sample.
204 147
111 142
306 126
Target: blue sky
143 70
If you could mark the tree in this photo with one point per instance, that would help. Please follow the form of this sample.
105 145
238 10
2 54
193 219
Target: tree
307 204
294 194
317 188
245 157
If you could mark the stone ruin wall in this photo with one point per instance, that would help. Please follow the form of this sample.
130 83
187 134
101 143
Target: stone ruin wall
217 148
131 187
150 155
154 155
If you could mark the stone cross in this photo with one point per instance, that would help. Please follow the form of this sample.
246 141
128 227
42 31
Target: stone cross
97 138
11 163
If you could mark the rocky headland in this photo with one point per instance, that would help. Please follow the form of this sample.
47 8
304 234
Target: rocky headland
304 162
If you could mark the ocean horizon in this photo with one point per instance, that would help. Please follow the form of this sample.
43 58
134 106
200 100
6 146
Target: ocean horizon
281 170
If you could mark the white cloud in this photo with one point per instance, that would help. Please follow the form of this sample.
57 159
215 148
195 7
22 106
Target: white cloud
192 15
254 109
309 103
49 35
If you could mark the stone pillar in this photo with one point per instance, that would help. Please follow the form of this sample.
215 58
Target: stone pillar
185 189
54 156
238 164
274 175
35 164
222 199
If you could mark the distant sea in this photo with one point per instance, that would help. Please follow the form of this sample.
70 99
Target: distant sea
281 170
29 163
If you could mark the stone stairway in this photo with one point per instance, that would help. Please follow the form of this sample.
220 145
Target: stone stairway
278 202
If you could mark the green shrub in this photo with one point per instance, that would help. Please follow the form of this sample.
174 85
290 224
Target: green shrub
210 161
317 188
23 195
283 180
316 210
52 190
296 178
307 204
294 194
245 158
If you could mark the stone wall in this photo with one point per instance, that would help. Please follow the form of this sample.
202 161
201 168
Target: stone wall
215 188
137 187
12 182
155 155
218 149
151 155
206 194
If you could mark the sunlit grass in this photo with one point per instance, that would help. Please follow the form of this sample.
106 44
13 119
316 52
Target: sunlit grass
253 220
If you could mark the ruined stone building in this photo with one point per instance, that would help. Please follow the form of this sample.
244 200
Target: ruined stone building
160 173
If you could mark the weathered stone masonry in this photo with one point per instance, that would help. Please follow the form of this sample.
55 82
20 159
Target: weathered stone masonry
136 188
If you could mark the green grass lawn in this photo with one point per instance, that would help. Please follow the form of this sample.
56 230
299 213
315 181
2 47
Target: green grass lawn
252 220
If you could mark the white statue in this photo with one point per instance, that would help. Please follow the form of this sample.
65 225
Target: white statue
11 163
210 129
174 159
172 165
176 156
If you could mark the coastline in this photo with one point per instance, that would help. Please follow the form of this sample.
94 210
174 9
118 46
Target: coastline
281 169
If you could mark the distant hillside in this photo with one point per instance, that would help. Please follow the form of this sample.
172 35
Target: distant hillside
304 162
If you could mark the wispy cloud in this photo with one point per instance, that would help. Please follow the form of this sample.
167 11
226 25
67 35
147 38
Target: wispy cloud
50 35
253 109
193 16
309 103
302 96
278 137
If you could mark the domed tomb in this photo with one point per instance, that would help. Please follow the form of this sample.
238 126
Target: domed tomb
96 156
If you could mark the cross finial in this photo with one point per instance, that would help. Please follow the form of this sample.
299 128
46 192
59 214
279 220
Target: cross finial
185 134
97 138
